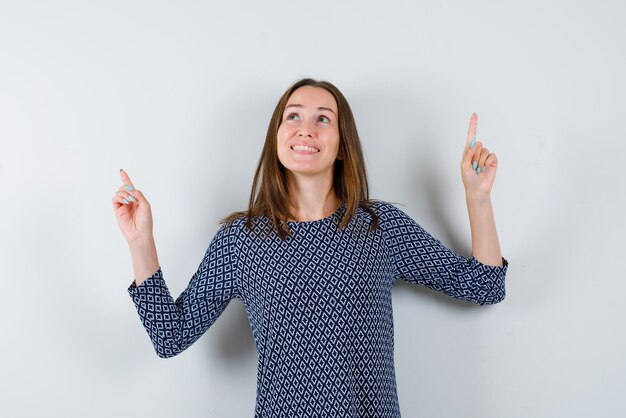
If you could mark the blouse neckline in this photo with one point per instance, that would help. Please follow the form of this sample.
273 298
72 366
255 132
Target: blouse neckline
336 214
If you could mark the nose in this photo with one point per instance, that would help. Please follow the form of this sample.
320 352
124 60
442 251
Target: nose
305 129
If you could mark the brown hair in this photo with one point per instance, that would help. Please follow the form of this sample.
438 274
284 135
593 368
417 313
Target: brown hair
269 195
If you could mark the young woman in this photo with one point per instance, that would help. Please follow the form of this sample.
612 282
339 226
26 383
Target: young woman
313 259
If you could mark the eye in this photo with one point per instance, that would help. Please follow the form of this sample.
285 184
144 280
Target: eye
289 116
326 119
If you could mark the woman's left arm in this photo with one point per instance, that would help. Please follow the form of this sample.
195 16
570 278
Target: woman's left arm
478 172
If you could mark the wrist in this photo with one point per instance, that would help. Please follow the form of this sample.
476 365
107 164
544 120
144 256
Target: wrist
145 259
478 197
141 244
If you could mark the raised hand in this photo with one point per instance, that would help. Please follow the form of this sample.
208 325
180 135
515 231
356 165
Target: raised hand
133 213
478 166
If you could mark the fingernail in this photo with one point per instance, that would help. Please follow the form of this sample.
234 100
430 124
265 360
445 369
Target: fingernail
473 143
474 165
121 169
129 188
125 201
132 199
484 168
478 171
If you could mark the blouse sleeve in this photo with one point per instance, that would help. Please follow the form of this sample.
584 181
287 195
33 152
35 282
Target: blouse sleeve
174 325
420 258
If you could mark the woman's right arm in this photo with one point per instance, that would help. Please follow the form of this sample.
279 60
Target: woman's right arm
173 325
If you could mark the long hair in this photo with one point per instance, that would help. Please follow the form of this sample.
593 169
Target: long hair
269 195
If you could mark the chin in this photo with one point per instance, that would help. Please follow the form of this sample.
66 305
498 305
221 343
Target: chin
306 170
302 171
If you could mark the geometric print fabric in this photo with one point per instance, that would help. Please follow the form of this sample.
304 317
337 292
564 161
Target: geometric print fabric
318 304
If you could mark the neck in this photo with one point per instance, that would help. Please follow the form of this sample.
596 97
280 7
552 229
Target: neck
311 197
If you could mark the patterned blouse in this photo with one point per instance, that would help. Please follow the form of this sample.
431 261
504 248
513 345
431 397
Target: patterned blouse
319 305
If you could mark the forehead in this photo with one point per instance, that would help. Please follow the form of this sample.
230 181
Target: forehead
309 96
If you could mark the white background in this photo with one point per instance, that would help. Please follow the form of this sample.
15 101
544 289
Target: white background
180 94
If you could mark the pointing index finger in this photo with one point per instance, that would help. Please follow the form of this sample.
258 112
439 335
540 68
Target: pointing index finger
125 178
471 133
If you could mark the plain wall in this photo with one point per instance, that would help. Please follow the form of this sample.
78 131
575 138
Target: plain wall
180 94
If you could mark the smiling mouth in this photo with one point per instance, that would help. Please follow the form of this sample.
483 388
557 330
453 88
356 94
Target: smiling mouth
303 149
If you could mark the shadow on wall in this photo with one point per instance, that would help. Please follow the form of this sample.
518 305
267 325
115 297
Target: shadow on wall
234 338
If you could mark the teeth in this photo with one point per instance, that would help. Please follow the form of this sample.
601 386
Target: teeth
304 148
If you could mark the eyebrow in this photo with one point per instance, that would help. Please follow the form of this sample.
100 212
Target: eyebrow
320 108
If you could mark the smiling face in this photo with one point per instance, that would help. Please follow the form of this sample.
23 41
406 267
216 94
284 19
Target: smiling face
308 136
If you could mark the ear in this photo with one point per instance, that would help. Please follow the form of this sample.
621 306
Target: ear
339 154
